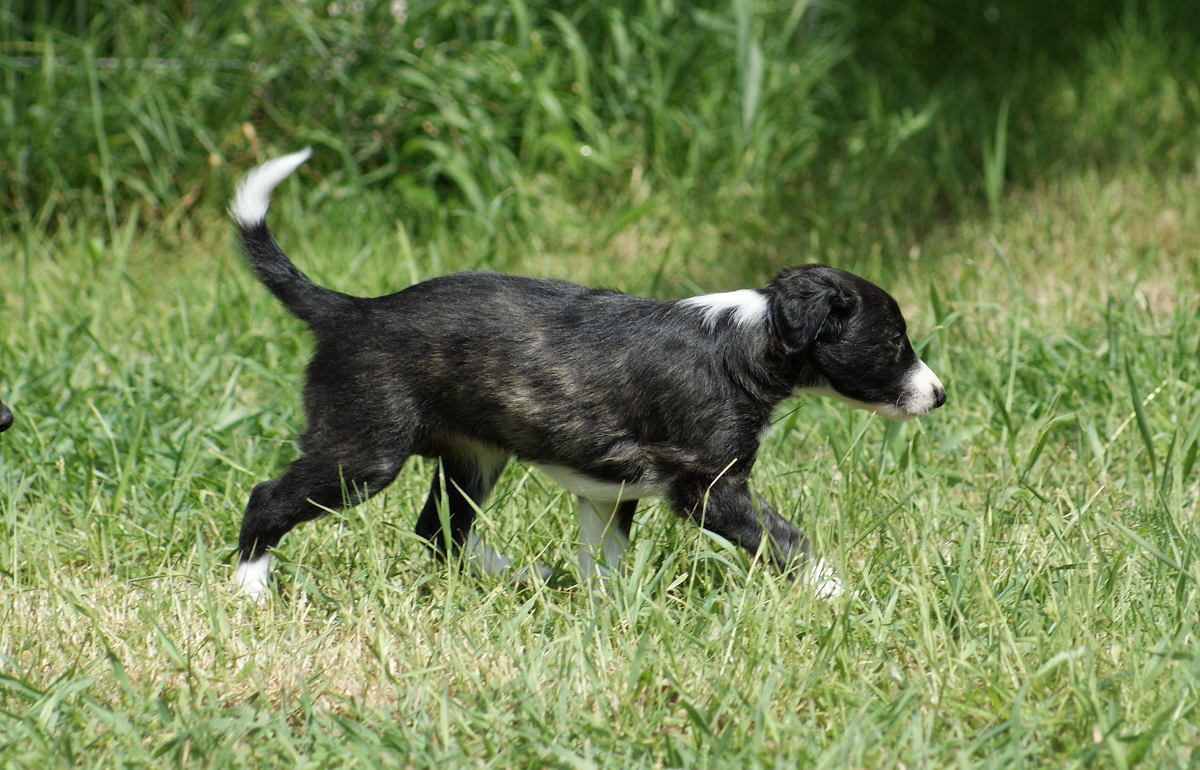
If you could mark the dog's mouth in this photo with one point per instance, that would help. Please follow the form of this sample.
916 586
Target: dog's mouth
919 394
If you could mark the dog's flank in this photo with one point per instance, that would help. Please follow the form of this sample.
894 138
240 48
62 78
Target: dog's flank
616 397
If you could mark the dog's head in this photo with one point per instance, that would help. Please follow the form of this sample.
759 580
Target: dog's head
848 337
6 418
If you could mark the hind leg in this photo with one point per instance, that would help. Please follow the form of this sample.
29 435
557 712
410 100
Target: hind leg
311 488
460 486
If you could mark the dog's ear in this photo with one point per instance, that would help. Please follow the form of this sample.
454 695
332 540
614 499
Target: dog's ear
809 304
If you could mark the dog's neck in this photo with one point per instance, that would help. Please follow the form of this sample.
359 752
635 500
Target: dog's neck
762 368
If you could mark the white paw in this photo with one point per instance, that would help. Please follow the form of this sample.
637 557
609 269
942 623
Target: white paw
823 581
483 559
486 561
251 577
538 573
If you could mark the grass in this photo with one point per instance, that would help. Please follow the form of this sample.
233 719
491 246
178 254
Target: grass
160 108
1025 558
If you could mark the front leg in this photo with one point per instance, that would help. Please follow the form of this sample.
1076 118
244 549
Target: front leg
728 509
603 534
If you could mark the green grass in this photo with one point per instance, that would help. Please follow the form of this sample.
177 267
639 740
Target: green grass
1024 558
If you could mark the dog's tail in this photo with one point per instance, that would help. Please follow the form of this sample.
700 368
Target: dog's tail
306 300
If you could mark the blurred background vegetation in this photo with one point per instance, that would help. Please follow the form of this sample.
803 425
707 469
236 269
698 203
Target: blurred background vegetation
782 117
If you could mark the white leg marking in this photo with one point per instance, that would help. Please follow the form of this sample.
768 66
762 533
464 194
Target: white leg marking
487 561
539 572
251 577
601 544
484 559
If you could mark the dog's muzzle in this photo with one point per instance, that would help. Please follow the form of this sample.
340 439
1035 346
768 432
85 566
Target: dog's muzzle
925 391
921 394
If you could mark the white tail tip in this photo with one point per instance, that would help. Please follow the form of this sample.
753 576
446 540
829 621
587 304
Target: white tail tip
249 205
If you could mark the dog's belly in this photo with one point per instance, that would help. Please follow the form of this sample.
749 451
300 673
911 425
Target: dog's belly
482 454
596 490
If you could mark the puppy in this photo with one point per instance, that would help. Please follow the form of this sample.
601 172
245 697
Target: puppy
614 397
6 418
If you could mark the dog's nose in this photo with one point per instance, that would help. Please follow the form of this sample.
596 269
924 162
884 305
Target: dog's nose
6 418
939 396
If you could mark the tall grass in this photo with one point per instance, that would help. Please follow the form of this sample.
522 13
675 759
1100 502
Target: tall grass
111 110
157 103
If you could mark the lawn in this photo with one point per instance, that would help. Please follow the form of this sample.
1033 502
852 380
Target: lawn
1023 560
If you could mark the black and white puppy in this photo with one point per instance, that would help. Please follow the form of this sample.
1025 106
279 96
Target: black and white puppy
614 397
